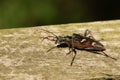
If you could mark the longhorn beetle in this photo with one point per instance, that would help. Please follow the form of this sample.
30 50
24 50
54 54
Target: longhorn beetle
78 41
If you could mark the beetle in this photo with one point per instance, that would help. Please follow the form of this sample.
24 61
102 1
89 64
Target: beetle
84 42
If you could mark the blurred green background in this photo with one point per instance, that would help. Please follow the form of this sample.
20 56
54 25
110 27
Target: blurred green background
28 13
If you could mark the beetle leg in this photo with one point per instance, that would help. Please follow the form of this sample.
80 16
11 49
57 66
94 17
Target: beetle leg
72 42
108 56
69 51
103 54
74 51
73 57
89 34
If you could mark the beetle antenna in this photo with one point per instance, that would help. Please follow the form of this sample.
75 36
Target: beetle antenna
51 48
50 32
48 37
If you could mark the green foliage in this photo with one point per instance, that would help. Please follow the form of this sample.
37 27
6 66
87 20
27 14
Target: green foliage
23 13
26 13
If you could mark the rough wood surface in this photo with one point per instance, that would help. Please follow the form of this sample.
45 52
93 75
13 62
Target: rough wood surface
24 57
